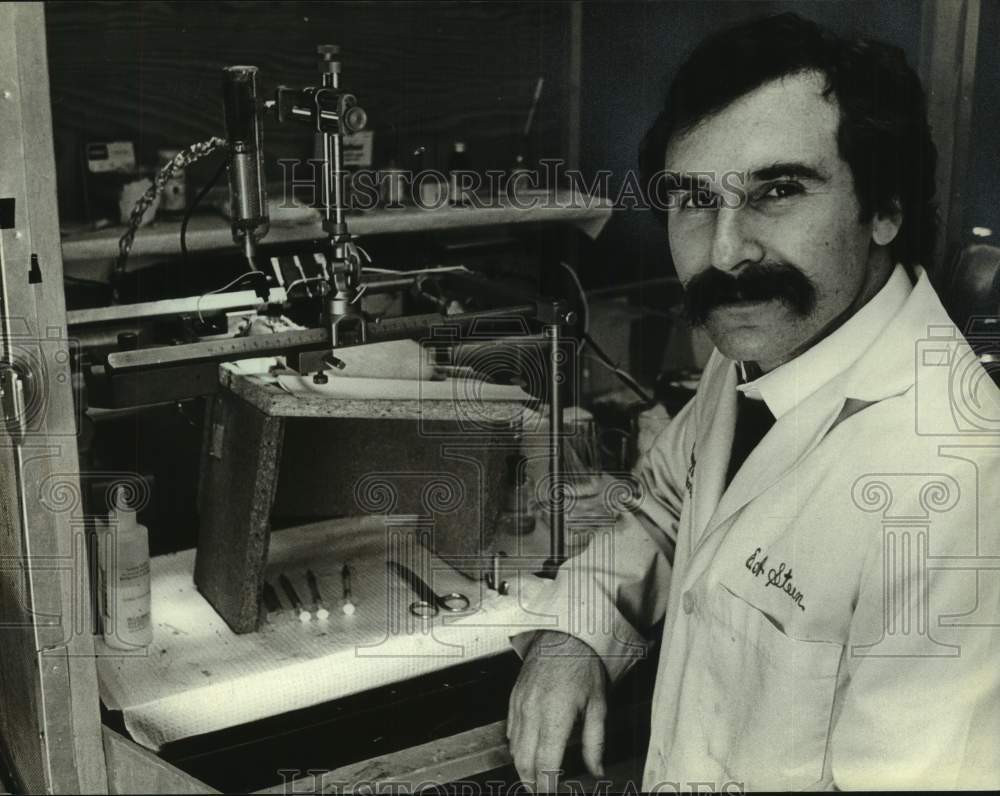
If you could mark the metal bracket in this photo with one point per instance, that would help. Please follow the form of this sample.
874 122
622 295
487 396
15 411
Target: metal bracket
12 401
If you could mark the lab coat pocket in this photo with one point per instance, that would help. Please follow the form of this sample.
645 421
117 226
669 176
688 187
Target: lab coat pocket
766 698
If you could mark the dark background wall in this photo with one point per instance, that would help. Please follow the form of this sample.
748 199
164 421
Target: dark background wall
430 73
983 180
427 73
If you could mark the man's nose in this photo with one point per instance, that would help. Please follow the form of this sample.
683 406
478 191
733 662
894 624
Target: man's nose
734 243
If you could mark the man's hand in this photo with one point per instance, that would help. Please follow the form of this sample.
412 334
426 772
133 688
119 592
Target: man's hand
556 685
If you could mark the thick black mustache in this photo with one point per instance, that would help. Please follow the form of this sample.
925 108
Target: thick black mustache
757 282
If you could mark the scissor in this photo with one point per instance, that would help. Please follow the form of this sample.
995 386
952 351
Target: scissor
430 603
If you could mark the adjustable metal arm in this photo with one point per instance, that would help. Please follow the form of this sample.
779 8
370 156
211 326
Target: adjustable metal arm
332 113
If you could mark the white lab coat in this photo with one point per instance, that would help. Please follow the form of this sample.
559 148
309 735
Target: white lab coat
833 617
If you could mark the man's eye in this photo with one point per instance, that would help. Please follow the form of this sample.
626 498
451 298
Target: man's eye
782 190
699 200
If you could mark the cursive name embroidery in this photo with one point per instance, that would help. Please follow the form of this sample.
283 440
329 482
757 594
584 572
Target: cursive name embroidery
780 577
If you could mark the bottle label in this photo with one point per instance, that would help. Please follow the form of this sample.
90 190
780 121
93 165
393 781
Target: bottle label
140 570
125 598
137 622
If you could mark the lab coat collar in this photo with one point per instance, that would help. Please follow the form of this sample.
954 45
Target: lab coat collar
884 369
889 366
788 385
716 426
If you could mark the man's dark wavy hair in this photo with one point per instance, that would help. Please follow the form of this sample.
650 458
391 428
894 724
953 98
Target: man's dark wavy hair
883 136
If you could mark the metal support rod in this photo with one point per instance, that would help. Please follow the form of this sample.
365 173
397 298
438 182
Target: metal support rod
338 183
333 166
556 481
326 181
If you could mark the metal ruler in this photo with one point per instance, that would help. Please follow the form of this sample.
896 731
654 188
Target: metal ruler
176 372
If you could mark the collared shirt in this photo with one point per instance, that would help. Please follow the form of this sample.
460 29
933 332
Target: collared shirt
789 384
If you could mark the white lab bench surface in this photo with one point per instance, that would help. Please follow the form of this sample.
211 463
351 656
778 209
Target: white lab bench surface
198 676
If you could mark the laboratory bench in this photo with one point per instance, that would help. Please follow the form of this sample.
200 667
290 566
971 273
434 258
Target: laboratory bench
229 678
356 695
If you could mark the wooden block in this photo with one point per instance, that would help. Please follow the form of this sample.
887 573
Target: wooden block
238 480
454 482
333 458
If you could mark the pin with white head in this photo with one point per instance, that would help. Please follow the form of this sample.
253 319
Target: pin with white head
317 599
271 601
348 606
293 597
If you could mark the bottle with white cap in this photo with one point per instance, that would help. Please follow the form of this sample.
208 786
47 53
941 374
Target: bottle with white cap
458 169
125 583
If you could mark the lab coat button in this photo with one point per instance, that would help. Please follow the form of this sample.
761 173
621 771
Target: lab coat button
687 602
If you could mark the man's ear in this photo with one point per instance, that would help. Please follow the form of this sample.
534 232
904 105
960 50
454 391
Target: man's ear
886 224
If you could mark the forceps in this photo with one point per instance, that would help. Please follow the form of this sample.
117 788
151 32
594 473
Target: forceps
430 603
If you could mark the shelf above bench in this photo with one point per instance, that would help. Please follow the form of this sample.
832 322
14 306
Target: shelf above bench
207 233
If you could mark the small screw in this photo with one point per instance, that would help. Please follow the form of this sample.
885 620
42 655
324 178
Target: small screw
330 55
493 577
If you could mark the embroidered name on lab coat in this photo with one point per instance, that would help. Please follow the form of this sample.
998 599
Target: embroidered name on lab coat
780 576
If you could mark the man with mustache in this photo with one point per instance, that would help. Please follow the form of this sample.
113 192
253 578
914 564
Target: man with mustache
817 528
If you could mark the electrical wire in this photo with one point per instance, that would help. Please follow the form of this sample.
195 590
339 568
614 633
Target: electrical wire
208 186
584 305
224 288
303 281
180 161
602 357
623 375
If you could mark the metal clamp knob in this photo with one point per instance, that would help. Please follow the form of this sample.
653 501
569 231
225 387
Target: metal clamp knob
329 53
